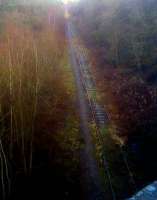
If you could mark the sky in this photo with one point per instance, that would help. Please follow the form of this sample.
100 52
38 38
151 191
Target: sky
64 1
47 1
67 1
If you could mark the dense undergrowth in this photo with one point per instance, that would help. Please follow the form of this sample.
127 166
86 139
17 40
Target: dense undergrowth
121 38
39 140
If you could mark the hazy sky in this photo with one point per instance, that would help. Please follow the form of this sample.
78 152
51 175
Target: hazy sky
67 1
44 1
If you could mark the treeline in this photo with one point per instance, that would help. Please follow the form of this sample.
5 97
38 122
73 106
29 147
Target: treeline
39 140
122 38
125 28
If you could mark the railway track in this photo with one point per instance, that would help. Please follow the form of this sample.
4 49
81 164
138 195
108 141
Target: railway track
98 114
92 183
99 117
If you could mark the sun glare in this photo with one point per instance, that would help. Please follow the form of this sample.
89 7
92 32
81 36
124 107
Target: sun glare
68 1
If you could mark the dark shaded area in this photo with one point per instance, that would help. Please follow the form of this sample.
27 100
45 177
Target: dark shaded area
48 181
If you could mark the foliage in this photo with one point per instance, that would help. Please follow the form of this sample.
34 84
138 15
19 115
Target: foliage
121 36
38 125
124 28
122 41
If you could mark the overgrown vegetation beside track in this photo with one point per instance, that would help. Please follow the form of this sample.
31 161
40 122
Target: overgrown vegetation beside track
121 38
39 139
